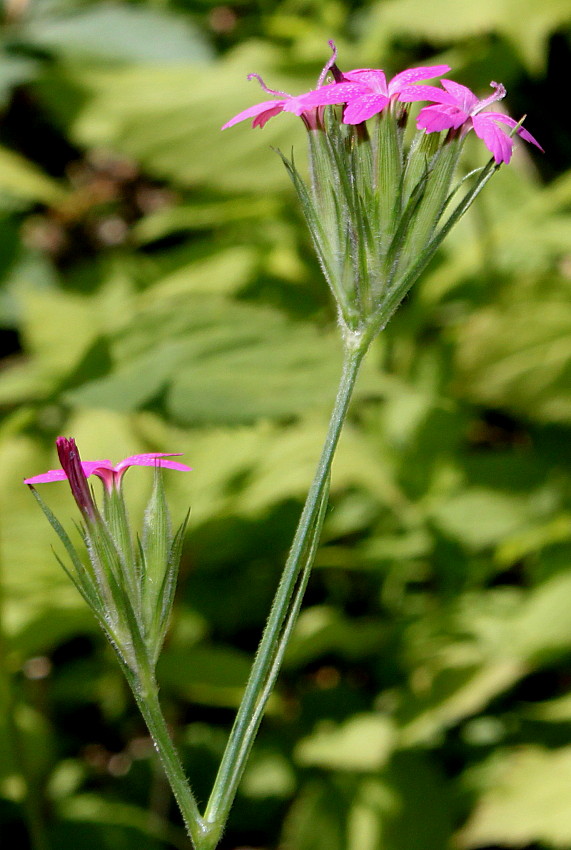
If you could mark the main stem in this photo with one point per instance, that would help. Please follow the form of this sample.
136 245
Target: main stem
258 687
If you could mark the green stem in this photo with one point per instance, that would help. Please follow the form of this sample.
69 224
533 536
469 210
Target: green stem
146 692
268 658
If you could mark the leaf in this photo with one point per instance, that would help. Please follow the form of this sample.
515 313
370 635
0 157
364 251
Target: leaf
91 822
479 517
523 801
363 743
14 70
216 361
322 630
23 179
110 31
408 807
168 118
317 819
480 648
517 356
213 675
525 24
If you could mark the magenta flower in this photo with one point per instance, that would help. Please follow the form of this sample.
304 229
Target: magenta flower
458 108
306 106
372 93
104 469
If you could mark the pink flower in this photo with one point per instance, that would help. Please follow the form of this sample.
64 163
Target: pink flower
307 106
111 475
372 93
457 107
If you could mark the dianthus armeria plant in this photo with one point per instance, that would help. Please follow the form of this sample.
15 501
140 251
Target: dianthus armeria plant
378 204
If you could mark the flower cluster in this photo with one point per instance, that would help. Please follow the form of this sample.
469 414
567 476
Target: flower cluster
365 92
128 583
378 205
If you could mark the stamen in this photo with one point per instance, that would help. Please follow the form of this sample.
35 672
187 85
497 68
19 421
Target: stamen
265 88
329 64
499 94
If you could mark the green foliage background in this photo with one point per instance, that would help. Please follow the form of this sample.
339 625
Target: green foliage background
158 292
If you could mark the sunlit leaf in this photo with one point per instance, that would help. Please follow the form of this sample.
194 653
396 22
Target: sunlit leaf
523 801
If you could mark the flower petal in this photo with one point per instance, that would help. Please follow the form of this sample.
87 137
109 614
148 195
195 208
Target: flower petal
500 144
90 467
47 477
152 459
273 106
334 93
364 107
525 134
412 75
262 119
463 97
410 94
374 79
436 118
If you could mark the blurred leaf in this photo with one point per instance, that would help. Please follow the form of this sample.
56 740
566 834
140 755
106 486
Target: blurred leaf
100 32
34 748
23 179
94 823
498 639
213 675
409 807
317 819
190 217
551 711
217 362
169 118
363 743
322 630
541 629
14 70
520 228
505 360
406 807
480 517
267 775
522 22
523 801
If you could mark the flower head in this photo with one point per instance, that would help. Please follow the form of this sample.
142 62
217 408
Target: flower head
455 107
111 475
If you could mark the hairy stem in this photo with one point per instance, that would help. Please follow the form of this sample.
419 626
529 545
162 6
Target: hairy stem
286 602
146 693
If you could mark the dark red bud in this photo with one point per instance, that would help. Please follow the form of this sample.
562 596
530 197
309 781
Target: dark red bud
70 460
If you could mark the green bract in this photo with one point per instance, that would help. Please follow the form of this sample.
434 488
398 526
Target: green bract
378 208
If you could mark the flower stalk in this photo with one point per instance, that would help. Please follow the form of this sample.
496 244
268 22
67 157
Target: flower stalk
284 608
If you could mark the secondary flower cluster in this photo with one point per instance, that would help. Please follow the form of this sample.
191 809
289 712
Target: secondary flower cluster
365 92
128 581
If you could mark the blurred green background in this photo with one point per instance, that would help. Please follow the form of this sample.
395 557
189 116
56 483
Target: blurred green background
158 293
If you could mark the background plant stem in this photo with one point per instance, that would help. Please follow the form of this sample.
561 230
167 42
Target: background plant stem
32 800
